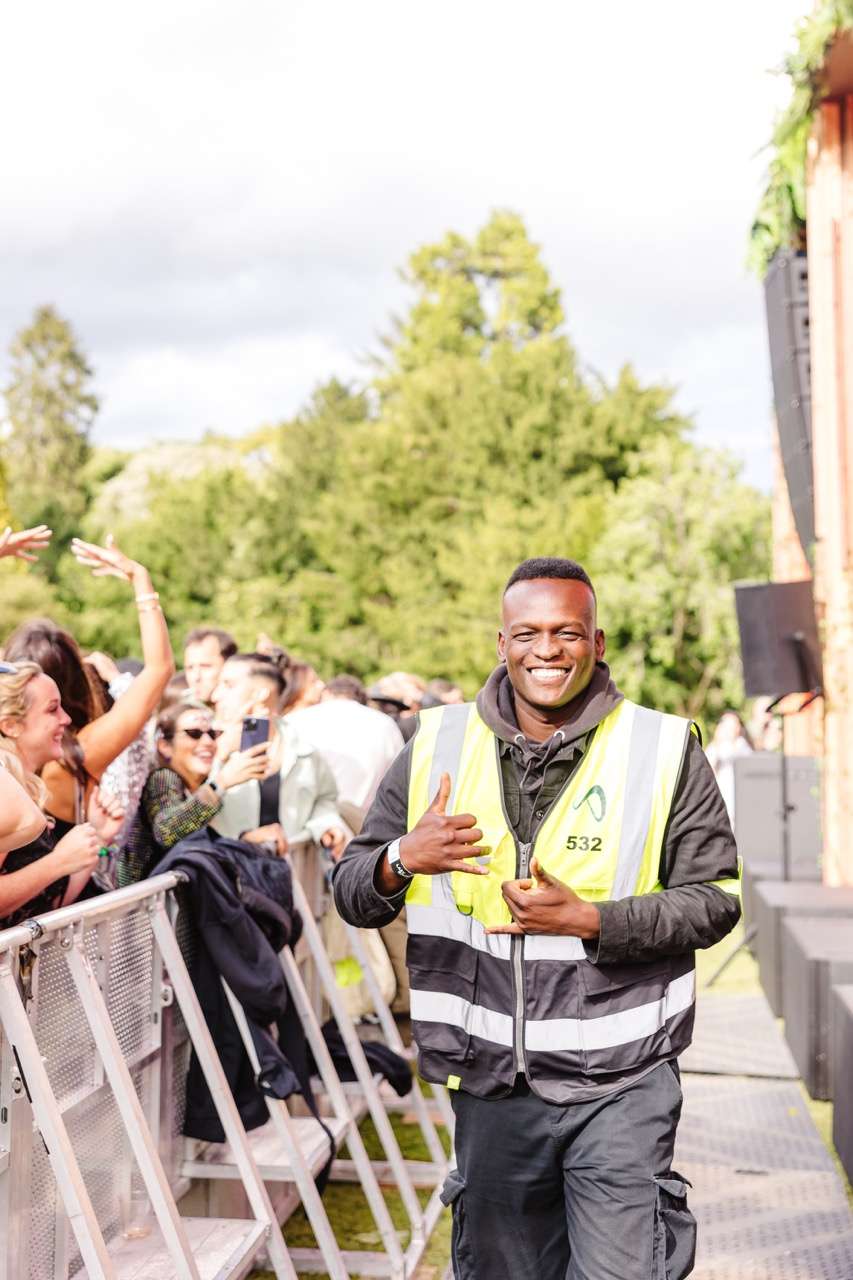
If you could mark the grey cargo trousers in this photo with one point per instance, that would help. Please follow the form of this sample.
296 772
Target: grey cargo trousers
584 1192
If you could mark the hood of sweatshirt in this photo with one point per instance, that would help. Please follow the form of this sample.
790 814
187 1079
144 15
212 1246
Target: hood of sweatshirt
496 705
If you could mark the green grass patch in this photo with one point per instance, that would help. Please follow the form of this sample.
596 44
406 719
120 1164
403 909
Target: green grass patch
740 977
350 1216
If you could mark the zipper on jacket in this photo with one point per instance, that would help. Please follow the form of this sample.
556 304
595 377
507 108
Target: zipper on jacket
522 861
517 949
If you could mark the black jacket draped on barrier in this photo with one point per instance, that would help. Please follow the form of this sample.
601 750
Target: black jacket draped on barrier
241 904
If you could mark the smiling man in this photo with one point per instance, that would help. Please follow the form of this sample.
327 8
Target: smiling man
561 853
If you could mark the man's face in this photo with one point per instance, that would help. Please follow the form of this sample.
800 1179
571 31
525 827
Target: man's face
549 640
202 665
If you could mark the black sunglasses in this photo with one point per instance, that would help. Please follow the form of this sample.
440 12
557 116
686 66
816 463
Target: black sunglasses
198 734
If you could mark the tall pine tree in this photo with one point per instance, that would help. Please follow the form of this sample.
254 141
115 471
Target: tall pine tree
50 409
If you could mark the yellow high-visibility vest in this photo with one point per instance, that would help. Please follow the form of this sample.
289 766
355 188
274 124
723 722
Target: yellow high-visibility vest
603 835
485 1006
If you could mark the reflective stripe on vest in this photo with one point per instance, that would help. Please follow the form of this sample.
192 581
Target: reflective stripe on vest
603 836
556 1035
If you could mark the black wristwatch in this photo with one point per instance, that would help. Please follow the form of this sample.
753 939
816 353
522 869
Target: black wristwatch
393 855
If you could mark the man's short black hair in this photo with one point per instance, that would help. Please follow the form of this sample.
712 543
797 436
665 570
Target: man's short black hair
549 567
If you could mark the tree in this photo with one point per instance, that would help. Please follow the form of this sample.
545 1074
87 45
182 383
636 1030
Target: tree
50 411
677 537
484 445
25 595
377 528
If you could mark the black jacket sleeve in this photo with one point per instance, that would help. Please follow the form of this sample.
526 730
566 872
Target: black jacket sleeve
691 912
358 900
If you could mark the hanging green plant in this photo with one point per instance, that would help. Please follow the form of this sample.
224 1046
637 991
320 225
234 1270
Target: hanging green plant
780 220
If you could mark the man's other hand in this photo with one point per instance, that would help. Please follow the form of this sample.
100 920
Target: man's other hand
545 905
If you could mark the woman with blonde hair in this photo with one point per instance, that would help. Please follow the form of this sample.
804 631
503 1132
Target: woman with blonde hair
55 863
95 736
21 820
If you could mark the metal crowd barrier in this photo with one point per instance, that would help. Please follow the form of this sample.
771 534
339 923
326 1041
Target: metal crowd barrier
97 1017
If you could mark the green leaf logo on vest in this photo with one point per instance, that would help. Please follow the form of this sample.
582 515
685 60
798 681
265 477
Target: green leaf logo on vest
597 801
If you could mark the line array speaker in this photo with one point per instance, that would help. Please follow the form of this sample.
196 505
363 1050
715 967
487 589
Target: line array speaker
786 296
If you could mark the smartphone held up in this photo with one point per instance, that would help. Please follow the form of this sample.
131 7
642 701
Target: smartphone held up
256 730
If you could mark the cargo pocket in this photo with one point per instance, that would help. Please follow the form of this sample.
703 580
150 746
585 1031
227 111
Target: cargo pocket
675 1229
460 1248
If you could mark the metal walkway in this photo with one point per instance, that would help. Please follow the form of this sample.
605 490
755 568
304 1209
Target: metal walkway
768 1198
737 1035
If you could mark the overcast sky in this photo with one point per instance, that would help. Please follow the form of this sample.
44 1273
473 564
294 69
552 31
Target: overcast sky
218 196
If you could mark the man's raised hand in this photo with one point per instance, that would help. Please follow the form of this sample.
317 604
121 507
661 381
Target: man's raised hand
441 841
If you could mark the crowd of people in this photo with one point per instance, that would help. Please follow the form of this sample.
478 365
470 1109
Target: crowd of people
111 770
106 765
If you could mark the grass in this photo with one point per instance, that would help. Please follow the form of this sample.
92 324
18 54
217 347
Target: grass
739 978
351 1219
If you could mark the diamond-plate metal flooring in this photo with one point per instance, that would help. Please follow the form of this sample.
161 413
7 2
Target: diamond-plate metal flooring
777 1225
766 1194
737 1035
749 1124
768 1199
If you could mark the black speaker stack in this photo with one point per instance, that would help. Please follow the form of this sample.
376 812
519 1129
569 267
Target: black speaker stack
786 296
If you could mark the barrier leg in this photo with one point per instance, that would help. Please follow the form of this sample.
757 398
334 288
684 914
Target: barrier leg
226 1108
394 1040
340 1106
308 1193
48 1117
363 1073
121 1083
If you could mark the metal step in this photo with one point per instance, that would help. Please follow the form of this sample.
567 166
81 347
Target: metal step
736 1035
216 1161
221 1248
391 1102
354 1094
423 1173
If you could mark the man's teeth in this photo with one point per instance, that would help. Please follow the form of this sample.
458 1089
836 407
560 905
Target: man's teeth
548 675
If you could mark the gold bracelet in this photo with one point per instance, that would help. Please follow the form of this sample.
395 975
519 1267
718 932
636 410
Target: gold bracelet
150 608
152 595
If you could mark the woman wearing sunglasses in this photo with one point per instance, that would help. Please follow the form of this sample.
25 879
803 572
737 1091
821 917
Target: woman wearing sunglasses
178 799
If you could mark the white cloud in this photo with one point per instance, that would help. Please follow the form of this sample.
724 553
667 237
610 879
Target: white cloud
218 196
174 392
